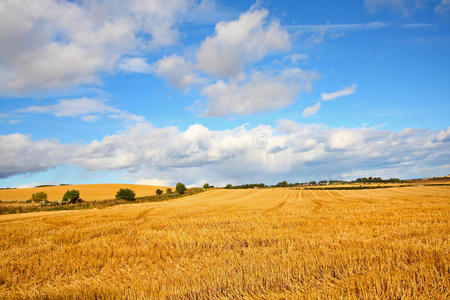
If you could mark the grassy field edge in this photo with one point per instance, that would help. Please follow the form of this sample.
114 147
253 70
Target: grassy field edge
4 210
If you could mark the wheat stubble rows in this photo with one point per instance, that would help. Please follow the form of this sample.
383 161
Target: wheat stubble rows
261 243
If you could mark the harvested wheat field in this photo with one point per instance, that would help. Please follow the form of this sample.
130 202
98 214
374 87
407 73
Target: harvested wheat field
252 244
88 192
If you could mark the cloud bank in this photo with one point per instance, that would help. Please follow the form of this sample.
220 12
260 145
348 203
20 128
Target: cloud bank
289 150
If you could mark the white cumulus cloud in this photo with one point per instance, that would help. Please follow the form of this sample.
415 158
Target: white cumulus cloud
256 93
135 65
50 44
176 71
234 43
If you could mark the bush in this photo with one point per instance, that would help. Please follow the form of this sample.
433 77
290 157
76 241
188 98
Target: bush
159 192
71 196
181 188
126 194
169 191
39 196
206 186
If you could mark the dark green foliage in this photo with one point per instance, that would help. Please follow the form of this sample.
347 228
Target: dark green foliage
206 186
378 180
282 184
71 196
169 191
125 194
245 186
181 188
39 196
159 192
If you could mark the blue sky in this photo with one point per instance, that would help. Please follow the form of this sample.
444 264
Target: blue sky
223 92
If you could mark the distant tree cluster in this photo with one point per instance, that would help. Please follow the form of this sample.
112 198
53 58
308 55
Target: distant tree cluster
337 182
246 186
314 183
377 180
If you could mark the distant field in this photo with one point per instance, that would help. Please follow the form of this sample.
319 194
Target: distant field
282 243
381 185
88 192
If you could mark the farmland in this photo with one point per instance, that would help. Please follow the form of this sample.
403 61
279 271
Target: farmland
88 192
255 243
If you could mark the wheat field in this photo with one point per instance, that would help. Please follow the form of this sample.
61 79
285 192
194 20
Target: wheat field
88 192
242 244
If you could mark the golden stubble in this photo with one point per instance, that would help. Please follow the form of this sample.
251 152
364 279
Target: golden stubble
247 244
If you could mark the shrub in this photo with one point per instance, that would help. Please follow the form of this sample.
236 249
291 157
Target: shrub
169 191
71 196
181 188
39 196
206 186
159 192
229 186
126 194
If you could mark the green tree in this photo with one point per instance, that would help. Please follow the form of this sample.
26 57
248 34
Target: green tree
71 196
39 196
229 186
206 186
181 188
125 194
169 191
282 184
159 192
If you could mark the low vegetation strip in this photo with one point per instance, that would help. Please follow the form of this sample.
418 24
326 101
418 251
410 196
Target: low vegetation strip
16 209
363 187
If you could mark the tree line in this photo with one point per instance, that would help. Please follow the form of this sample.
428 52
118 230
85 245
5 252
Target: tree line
315 183
73 196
